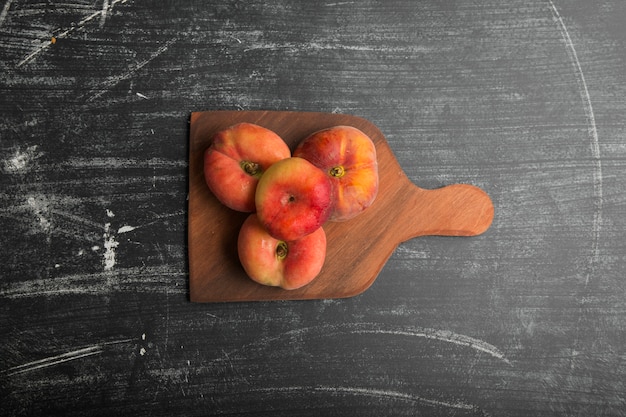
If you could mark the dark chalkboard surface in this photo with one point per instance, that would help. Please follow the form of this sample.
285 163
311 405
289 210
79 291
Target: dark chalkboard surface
524 99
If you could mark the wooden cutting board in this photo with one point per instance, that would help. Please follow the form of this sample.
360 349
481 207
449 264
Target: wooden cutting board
357 249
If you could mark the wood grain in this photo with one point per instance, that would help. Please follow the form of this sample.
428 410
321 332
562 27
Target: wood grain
357 249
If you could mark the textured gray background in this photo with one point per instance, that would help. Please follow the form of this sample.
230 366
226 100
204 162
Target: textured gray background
524 99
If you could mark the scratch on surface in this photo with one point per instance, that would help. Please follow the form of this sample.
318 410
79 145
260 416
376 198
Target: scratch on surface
73 27
370 328
76 219
445 336
294 47
64 357
125 229
113 81
110 245
595 145
5 11
371 392
37 51
346 329
396 395
145 279
341 3
128 228
104 12
120 163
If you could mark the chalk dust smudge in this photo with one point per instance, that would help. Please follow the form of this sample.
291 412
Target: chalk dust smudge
22 160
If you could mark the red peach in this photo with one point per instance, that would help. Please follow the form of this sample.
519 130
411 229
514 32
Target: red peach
237 158
274 262
293 199
348 157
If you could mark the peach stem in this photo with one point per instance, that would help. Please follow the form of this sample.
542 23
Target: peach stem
337 171
250 168
282 250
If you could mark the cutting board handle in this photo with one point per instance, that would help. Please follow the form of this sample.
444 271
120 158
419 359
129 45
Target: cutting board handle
453 210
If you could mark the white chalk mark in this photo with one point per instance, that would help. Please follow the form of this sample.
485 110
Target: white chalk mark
374 329
142 96
110 213
40 209
32 55
5 11
121 163
369 392
444 336
595 143
76 219
104 12
22 160
51 219
110 244
297 47
125 229
73 27
144 279
55 360
89 18
113 81
396 395
341 3
64 357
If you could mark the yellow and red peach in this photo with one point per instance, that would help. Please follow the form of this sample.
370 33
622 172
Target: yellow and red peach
237 158
270 261
348 157
293 199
